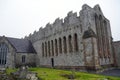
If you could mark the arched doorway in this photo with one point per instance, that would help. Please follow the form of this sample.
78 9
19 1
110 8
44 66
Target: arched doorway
52 62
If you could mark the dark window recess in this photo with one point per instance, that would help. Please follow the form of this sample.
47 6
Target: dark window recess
23 58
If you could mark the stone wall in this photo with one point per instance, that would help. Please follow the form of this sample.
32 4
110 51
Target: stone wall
117 52
30 59
61 58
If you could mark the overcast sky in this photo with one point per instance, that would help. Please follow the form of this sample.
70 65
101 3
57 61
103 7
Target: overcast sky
19 18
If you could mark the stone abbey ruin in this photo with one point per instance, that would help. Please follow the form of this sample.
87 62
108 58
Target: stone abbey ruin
80 42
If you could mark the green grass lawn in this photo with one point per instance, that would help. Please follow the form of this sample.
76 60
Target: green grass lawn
9 70
55 74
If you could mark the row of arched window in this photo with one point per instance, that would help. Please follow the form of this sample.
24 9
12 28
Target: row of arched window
60 45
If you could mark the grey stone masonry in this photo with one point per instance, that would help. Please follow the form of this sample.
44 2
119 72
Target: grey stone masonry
116 46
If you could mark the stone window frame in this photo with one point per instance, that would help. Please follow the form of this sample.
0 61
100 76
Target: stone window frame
4 49
23 58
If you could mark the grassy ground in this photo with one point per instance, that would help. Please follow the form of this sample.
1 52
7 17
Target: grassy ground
8 71
55 74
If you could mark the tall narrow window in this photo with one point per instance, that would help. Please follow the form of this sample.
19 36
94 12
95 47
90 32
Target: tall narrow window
52 47
70 43
75 42
107 39
102 36
23 59
97 23
43 49
60 45
65 44
56 47
3 53
49 47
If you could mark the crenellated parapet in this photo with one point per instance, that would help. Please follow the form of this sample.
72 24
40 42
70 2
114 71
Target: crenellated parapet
57 26
85 19
71 19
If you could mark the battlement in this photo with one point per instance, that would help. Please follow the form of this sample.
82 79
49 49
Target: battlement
71 20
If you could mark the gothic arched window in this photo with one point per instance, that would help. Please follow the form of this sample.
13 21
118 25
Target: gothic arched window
75 42
3 53
60 45
52 47
70 43
46 49
49 48
65 44
56 47
43 49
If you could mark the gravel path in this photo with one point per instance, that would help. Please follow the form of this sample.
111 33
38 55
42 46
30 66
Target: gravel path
113 72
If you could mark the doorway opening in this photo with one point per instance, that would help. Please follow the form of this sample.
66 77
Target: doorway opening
52 62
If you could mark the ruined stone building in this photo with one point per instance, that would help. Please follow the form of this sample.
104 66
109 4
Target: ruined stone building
15 52
81 42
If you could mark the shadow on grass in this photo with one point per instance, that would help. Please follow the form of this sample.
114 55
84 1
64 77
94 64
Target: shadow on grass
69 76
